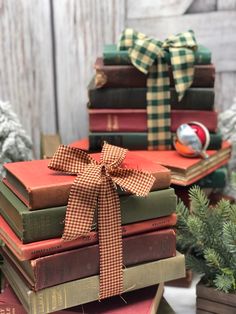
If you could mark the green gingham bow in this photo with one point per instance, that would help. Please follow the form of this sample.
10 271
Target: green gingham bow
150 56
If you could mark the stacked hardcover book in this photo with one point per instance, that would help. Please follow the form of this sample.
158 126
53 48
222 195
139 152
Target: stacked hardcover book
49 274
117 101
117 114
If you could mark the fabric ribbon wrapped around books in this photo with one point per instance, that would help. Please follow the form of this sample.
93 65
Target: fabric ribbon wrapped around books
150 56
95 187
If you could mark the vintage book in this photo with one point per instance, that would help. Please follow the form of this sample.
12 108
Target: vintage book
86 290
39 187
134 140
185 171
146 300
112 55
83 262
49 145
129 76
135 98
135 120
48 223
45 247
216 180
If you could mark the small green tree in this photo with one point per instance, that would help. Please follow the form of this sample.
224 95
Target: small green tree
207 235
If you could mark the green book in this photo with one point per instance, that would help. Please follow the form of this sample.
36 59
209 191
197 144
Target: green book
136 140
47 223
112 55
86 290
215 180
200 98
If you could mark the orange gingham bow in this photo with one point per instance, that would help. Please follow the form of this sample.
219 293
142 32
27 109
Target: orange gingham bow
95 187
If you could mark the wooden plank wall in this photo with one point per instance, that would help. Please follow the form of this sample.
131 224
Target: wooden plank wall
48 47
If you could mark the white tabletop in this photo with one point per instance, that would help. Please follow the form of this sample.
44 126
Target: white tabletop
182 300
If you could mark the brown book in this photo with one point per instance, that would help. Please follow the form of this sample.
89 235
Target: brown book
83 262
129 76
81 291
39 187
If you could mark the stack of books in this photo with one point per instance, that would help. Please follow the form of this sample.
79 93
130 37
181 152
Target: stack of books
48 274
117 101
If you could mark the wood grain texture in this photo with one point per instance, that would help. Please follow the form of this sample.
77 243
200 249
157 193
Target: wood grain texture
153 8
214 29
26 77
225 90
198 6
81 30
226 5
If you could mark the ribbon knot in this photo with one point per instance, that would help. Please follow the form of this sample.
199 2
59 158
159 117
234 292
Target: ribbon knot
152 57
95 188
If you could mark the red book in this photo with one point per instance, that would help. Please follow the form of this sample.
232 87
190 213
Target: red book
129 76
135 120
83 262
184 170
39 187
50 246
143 301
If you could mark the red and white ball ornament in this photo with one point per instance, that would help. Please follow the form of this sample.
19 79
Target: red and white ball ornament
192 139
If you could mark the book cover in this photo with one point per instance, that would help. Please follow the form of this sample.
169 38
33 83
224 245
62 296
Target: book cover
112 55
132 140
48 223
86 290
135 120
135 98
129 76
146 300
50 246
39 187
79 263
185 171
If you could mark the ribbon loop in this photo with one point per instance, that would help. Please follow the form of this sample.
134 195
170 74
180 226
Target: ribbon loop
94 187
150 56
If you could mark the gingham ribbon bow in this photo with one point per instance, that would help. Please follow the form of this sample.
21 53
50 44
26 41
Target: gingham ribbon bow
150 57
94 187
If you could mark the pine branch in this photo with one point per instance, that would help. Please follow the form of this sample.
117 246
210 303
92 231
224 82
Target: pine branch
225 282
229 237
199 201
213 259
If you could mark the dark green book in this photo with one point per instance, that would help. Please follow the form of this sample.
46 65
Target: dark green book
215 180
135 98
112 55
136 140
47 223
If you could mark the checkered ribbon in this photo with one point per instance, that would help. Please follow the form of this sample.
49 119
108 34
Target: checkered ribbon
150 56
95 187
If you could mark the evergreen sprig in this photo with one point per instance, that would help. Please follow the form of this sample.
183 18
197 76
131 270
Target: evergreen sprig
207 235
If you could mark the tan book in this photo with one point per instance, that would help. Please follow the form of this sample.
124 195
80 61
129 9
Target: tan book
86 290
49 145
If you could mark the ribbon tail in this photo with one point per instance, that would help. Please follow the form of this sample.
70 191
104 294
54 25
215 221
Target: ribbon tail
82 203
110 240
158 107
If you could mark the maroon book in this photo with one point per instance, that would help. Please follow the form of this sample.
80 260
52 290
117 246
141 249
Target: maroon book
135 120
129 76
83 262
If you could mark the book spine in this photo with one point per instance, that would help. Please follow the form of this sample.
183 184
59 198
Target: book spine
135 98
136 141
66 294
121 57
129 76
135 120
46 247
84 262
48 223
